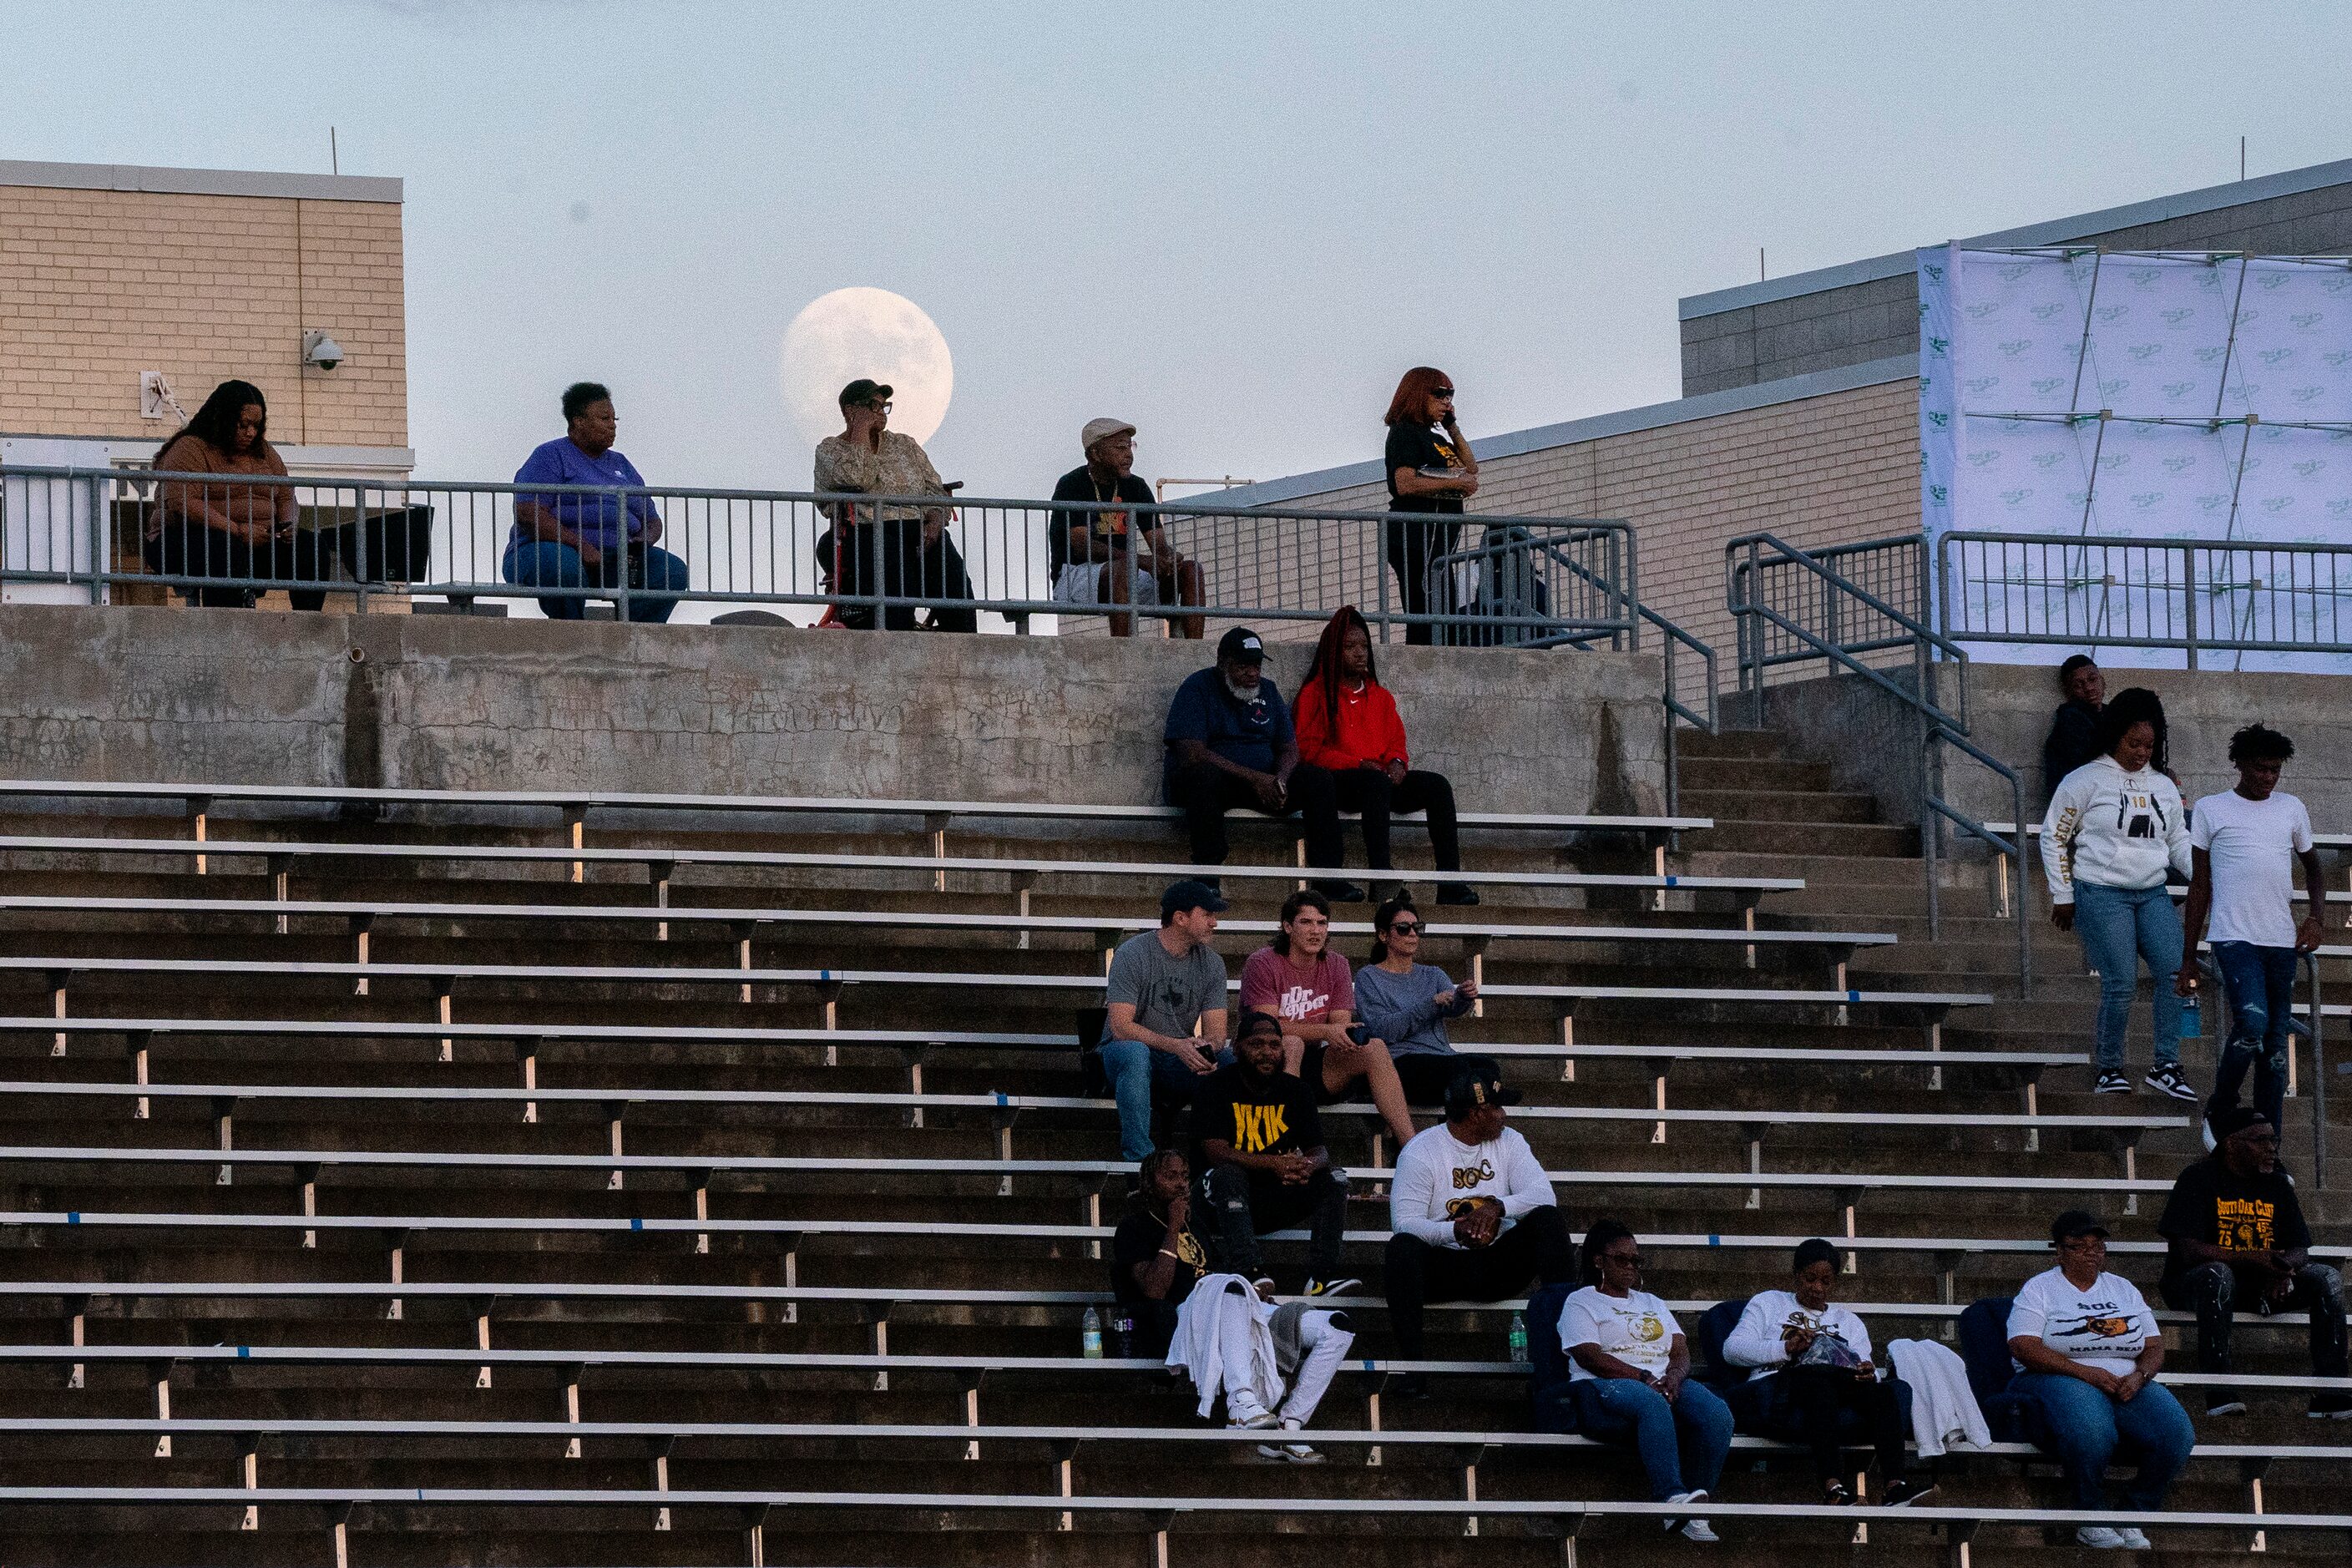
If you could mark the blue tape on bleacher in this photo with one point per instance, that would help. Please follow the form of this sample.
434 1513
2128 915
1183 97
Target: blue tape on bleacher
1671 881
636 1223
244 1352
1853 995
73 1219
1712 1240
1003 1098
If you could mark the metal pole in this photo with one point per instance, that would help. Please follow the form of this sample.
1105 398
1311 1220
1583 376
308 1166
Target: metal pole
2188 600
2319 1081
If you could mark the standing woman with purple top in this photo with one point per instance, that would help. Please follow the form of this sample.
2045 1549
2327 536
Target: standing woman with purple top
1407 1004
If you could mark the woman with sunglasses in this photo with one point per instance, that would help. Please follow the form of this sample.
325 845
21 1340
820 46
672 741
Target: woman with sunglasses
1407 1004
1631 1375
1431 470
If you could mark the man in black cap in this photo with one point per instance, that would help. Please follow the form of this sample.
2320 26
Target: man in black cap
1230 742
2238 1244
1164 1002
870 548
1260 1142
1473 1214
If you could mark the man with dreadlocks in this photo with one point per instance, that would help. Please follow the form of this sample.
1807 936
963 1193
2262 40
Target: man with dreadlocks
1347 726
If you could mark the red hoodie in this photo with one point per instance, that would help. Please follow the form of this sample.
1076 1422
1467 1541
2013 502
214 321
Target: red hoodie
1369 733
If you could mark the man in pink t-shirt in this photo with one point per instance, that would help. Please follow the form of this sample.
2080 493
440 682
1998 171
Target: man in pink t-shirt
1311 989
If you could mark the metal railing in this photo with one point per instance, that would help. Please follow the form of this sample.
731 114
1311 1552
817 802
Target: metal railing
900 560
2199 596
1888 571
1792 605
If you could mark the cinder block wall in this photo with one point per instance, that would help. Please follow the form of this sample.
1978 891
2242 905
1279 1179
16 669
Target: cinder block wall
98 285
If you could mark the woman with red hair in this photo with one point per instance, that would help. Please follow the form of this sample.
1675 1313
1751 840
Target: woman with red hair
1347 725
1431 469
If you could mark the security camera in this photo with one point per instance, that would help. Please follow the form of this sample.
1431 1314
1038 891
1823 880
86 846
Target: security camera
320 350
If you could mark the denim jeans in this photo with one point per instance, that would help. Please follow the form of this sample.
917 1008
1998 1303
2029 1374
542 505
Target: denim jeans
2120 926
2260 984
1682 1444
1138 1075
2086 1425
544 564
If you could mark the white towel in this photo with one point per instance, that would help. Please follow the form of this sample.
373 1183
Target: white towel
1196 1348
1943 1406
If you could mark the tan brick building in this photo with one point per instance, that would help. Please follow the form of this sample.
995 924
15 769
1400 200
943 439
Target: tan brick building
109 271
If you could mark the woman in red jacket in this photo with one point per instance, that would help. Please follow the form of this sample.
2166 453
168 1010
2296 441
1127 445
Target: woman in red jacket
1347 725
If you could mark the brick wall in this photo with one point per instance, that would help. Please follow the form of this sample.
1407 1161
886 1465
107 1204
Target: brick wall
1836 468
98 285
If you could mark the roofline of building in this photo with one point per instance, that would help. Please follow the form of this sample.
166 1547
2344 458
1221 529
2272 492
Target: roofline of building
1624 422
201 181
2057 231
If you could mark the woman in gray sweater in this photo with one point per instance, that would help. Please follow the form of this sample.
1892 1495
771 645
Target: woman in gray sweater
1407 1004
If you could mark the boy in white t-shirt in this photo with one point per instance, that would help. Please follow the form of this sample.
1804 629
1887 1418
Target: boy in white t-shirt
2243 845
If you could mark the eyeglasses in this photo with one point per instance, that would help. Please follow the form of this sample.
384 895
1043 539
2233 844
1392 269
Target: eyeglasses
1405 927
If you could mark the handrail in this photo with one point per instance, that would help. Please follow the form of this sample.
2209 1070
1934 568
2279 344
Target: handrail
1744 558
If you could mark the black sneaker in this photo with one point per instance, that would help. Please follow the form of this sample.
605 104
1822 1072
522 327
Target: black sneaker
2331 1407
1339 1286
2167 1080
2112 1083
1407 1385
1343 893
1835 1495
1460 894
1903 1492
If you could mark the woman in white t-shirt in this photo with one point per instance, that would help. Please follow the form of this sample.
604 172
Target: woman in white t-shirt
1812 1381
2087 1349
1630 1377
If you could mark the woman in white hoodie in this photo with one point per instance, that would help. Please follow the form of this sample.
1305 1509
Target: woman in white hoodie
2115 832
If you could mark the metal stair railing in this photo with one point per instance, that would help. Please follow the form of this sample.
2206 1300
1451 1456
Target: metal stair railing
1845 622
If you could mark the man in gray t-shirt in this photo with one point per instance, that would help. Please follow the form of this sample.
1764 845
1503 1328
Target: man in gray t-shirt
1164 986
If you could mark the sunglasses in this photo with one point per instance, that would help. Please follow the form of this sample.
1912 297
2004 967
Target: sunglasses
1405 927
1442 392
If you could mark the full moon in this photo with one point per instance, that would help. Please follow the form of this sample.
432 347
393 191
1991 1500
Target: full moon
871 332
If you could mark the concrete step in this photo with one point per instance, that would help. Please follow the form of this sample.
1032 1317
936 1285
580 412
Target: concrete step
1801 806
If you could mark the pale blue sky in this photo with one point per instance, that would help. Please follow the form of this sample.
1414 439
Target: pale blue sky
1234 226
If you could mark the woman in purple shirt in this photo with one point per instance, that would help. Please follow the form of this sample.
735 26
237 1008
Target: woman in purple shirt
578 541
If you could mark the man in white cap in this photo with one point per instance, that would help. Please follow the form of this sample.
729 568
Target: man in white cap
1093 552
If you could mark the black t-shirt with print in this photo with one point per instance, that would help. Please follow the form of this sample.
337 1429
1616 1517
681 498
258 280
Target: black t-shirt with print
2248 1214
1138 1240
1419 446
1271 1115
1079 484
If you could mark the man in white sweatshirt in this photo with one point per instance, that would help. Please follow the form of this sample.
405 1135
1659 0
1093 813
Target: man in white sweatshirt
1473 1214
2115 833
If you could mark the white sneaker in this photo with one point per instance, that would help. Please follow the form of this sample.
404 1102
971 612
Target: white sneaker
1289 1453
2134 1541
1685 1525
1243 1410
2098 1537
1699 1531
2167 1080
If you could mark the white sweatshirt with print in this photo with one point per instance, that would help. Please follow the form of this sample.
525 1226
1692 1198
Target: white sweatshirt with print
2113 828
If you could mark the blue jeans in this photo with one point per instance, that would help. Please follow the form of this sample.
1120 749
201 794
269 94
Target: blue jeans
2259 983
2120 926
544 563
2086 1425
1138 1073
1682 1444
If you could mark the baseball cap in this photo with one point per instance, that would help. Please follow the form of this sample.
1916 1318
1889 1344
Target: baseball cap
1474 1087
2074 1223
2226 1124
1189 894
1102 431
1241 643
862 390
1258 1020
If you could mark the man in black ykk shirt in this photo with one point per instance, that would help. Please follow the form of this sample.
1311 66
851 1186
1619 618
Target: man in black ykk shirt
1261 1142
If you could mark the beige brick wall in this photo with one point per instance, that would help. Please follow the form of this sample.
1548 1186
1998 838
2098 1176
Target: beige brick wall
1819 471
98 285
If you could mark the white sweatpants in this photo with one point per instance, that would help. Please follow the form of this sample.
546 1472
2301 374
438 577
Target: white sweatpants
1323 1344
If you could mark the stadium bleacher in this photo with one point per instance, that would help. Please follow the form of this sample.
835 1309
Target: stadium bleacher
407 1188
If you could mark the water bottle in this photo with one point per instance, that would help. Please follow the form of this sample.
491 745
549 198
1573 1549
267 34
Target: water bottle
1519 1338
1090 1335
2192 1017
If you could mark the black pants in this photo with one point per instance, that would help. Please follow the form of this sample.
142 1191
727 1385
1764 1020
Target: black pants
1414 1272
1412 545
1247 1202
187 549
1425 1074
1818 1407
937 572
2214 1290
1206 793
1369 791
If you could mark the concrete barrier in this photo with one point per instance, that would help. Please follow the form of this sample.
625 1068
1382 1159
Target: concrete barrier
90 693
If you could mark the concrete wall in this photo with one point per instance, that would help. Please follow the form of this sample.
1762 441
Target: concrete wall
459 702
1870 737
1853 323
98 285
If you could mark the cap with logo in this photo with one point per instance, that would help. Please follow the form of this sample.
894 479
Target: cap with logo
1099 430
1240 645
1189 894
2074 1223
1473 1087
863 390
